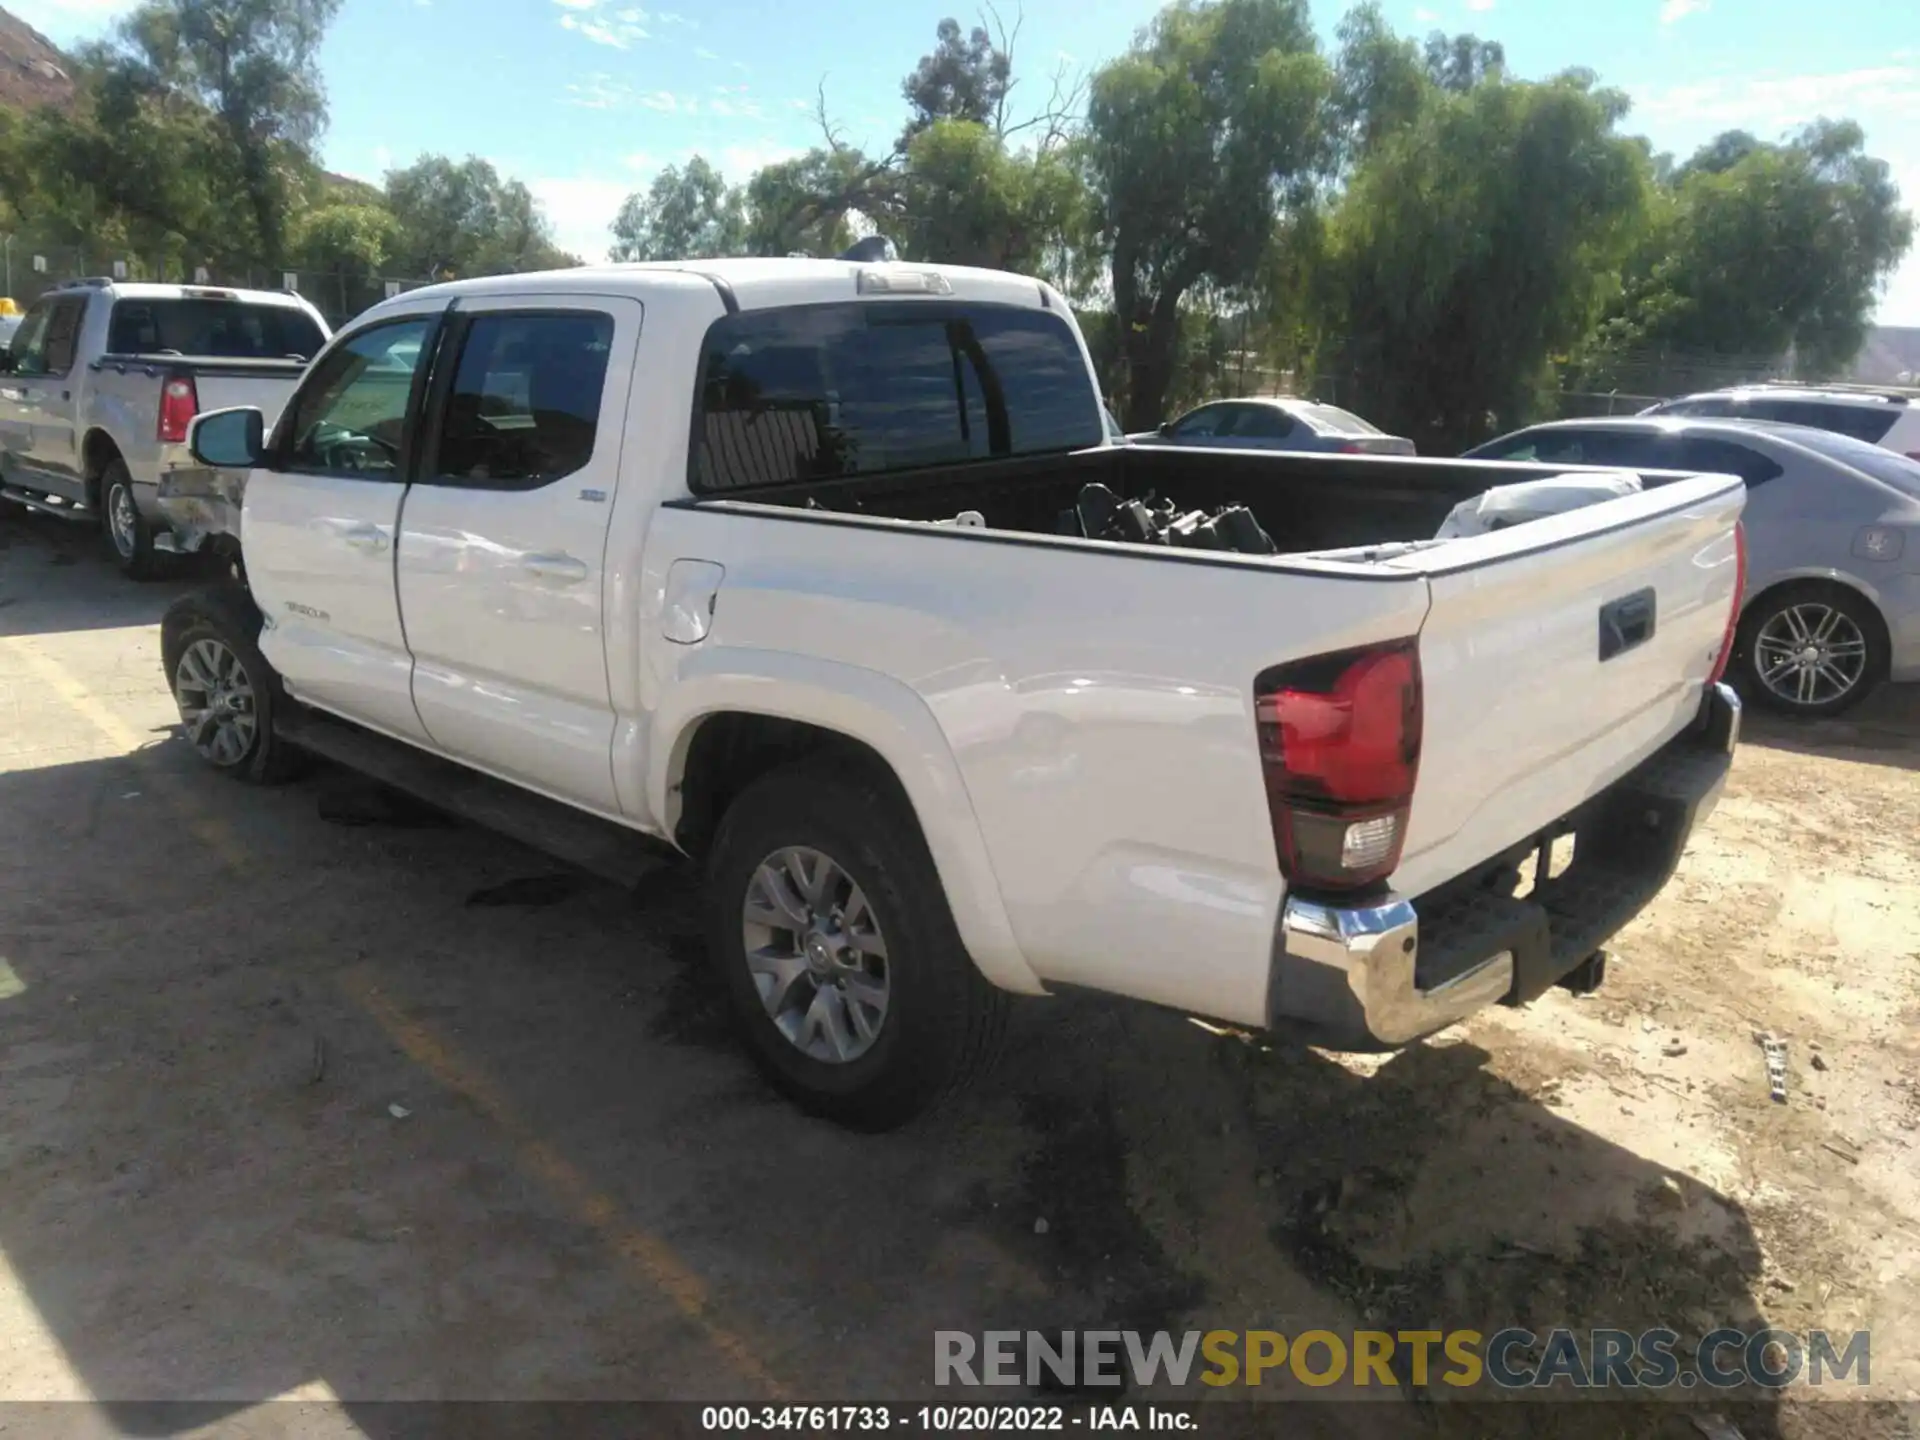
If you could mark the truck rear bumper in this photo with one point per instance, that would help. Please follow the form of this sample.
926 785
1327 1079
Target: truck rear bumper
1378 976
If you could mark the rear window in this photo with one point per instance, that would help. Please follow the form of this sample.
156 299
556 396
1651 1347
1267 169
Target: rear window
1862 422
1340 422
227 329
1883 465
815 392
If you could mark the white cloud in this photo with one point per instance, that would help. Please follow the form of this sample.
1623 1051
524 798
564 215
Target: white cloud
1770 104
580 211
668 103
704 53
668 17
1424 16
1480 5
382 159
1679 9
616 29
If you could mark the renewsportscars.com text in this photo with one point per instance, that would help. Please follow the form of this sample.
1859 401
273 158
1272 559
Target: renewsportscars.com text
1511 1359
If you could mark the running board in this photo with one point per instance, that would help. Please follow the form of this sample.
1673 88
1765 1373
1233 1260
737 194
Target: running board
614 853
60 510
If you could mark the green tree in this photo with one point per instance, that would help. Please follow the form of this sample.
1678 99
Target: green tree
250 65
1756 249
1379 82
685 214
1195 139
960 79
1472 247
964 199
460 218
1460 62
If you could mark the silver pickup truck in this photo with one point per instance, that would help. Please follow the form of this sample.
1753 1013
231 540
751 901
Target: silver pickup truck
103 379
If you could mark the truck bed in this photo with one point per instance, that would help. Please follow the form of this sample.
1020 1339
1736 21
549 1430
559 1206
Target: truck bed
1305 502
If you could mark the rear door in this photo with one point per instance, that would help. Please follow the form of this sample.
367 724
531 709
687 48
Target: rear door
503 542
320 520
1557 655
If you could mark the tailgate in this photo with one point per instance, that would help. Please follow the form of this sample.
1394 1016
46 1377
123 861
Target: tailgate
267 387
1557 655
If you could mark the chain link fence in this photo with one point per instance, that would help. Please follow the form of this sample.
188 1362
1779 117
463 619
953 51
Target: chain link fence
32 268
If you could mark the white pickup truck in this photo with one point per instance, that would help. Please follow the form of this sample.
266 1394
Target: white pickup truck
103 378
825 573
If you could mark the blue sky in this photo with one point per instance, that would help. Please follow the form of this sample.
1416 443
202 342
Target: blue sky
586 99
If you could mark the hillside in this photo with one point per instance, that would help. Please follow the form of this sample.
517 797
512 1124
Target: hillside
33 72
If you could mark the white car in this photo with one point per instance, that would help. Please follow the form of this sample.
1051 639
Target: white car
1886 418
825 573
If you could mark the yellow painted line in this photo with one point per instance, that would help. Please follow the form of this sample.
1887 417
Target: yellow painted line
646 1255
208 829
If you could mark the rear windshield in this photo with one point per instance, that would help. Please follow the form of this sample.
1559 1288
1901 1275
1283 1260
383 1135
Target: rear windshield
1883 465
814 392
1341 422
1867 421
229 329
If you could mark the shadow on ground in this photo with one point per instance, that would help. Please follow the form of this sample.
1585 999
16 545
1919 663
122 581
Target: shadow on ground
317 1113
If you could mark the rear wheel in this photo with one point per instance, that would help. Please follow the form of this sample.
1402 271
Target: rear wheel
129 535
846 973
1812 650
226 692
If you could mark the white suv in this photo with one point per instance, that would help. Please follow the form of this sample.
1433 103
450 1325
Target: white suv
1884 418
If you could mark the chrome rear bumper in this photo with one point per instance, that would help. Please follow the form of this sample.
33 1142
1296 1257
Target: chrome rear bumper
1366 977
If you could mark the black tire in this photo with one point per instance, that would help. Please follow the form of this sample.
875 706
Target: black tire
1769 609
228 618
943 1023
132 550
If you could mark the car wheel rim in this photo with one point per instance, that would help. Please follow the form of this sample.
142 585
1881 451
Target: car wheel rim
216 702
1810 654
816 955
122 519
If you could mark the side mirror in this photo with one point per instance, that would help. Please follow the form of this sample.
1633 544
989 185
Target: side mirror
1165 427
231 439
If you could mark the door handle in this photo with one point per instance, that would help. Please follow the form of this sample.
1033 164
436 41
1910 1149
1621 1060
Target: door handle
369 538
560 568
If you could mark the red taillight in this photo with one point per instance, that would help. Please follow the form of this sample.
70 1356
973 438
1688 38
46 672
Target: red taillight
1340 746
1348 447
179 403
1733 610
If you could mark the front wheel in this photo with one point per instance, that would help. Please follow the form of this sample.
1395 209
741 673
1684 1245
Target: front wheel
847 977
1812 650
226 692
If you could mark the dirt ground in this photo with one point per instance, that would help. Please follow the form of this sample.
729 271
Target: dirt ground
297 1101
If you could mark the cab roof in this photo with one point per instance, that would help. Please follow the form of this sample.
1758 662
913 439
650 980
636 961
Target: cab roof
757 284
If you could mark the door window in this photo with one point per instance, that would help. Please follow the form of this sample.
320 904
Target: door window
524 408
30 340
1205 423
350 417
63 333
1263 422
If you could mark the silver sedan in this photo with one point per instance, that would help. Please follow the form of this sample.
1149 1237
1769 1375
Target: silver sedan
1276 422
1832 599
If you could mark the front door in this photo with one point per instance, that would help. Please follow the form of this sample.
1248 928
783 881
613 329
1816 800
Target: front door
37 447
320 522
504 536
